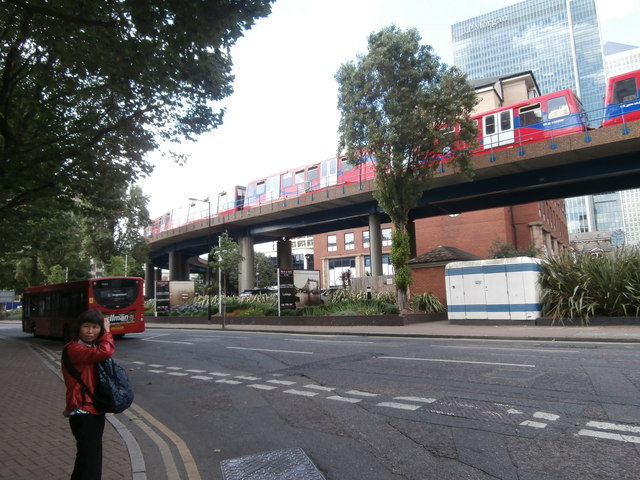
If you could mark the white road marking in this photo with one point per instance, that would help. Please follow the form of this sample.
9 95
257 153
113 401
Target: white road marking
613 426
362 394
242 377
514 411
459 361
546 416
153 339
229 382
415 399
609 436
178 374
344 399
401 406
201 377
156 371
195 371
138 363
270 350
507 349
326 341
174 368
281 382
320 387
155 365
259 386
530 423
303 393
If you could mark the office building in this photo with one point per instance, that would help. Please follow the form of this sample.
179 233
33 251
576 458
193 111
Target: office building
557 40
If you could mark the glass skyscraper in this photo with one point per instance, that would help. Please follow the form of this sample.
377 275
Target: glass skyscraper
557 40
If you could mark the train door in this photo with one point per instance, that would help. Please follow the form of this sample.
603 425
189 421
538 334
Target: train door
329 173
497 129
272 191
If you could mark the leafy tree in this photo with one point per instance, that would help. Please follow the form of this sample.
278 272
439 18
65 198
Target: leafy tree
227 257
119 266
402 106
88 88
265 271
57 274
117 229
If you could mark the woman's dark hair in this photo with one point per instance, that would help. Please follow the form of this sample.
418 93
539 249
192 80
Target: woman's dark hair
89 316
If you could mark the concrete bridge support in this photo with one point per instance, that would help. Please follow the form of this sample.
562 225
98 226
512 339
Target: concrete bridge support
178 267
247 274
375 245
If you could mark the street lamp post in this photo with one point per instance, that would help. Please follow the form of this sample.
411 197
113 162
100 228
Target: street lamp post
206 200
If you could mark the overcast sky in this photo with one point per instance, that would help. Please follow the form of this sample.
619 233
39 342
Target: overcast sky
283 113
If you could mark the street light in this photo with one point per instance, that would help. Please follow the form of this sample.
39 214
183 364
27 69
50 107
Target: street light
206 200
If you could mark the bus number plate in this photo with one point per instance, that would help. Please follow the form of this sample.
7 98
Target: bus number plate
120 317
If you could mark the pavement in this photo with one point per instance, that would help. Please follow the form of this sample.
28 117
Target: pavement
35 440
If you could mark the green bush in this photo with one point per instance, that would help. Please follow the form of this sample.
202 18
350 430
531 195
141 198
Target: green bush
428 303
583 286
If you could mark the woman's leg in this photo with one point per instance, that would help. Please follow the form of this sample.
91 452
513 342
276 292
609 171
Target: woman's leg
87 430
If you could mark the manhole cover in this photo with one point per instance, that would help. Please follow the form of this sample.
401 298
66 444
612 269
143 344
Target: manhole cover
286 464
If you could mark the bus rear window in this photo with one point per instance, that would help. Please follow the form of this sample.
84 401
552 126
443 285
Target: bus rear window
116 292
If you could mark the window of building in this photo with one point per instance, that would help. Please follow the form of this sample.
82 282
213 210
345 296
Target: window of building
530 115
365 239
386 237
332 243
387 268
339 265
349 241
298 261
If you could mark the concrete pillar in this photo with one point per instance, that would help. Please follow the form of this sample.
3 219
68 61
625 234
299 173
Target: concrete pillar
175 266
375 244
285 260
247 274
149 281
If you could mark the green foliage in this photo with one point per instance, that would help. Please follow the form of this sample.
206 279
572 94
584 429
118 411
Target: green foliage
265 271
227 256
89 88
579 285
399 256
500 249
396 102
57 274
123 266
428 303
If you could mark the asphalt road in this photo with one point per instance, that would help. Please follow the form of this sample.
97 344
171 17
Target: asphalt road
365 408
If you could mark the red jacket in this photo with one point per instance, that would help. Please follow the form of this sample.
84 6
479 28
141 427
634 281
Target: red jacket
84 358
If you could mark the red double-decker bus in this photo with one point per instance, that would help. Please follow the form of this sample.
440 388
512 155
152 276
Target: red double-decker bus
49 310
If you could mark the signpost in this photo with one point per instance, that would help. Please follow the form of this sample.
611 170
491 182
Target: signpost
286 289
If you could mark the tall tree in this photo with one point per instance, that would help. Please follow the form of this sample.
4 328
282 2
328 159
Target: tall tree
227 257
88 88
410 112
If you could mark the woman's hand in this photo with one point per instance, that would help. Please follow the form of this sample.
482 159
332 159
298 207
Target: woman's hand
107 325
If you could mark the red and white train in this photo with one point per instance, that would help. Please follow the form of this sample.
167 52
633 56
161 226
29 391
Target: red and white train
533 120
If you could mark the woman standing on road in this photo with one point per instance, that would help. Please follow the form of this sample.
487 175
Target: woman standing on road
91 343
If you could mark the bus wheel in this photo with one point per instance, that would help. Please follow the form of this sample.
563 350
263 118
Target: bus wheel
33 330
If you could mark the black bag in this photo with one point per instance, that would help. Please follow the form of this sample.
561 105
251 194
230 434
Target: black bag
113 393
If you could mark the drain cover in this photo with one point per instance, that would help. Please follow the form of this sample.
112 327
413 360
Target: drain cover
287 464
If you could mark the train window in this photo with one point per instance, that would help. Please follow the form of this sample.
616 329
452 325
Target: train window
312 173
287 179
489 124
505 121
625 90
530 115
345 165
557 107
300 176
260 189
